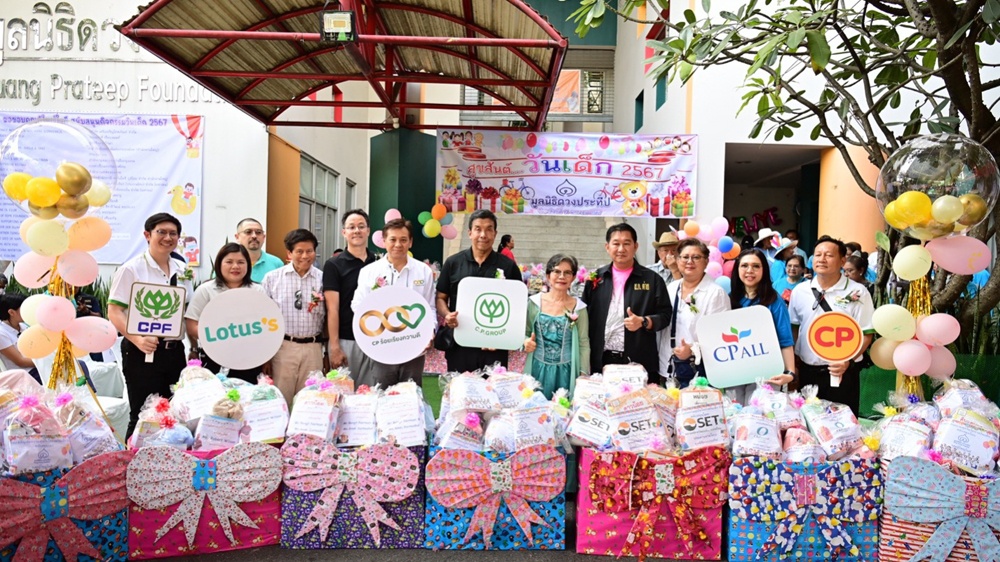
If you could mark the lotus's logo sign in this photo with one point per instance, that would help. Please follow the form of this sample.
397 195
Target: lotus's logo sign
157 305
492 310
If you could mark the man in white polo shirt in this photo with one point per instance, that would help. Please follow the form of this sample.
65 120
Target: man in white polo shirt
397 268
830 290
155 265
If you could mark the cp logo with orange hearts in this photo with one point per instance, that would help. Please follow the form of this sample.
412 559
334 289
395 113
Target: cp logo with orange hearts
407 316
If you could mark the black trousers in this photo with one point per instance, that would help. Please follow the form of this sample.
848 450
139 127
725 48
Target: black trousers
849 391
249 375
144 378
462 359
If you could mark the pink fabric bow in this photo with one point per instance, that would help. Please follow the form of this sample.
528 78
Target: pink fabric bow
381 473
463 479
33 514
159 477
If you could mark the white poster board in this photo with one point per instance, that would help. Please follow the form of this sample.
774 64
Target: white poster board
241 328
739 346
491 313
393 325
156 310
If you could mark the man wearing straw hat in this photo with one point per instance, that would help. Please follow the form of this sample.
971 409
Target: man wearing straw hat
666 257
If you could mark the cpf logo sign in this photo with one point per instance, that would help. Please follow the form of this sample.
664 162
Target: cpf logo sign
392 325
156 310
491 313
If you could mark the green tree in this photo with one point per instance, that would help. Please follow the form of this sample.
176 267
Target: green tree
838 66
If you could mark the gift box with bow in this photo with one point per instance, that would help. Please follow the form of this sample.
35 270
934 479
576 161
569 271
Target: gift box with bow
934 515
453 200
803 511
658 206
496 501
170 516
658 508
512 200
681 205
63 514
489 199
368 498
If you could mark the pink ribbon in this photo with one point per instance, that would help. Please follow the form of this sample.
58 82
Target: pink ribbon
33 514
380 473
464 479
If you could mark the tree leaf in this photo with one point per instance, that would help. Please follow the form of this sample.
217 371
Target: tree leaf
958 34
689 16
706 5
991 11
882 241
814 134
795 38
819 50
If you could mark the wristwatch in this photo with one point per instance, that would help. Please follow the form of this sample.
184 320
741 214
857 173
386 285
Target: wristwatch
787 372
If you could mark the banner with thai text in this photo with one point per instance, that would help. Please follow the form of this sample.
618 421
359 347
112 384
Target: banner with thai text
159 160
567 173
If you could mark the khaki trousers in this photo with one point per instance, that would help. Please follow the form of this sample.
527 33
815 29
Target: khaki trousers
293 364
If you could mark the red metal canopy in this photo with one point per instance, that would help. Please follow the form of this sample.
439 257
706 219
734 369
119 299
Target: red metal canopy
265 56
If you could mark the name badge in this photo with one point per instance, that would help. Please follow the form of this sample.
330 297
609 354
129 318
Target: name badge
640 287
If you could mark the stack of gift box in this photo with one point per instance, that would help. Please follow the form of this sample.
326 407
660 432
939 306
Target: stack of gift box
656 471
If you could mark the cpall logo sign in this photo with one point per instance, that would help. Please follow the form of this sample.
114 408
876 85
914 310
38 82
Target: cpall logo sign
156 310
491 313
735 354
392 325
241 328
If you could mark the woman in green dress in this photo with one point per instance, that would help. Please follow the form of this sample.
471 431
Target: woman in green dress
557 343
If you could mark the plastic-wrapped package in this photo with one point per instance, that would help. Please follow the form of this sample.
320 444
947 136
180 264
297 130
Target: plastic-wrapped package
508 386
968 440
633 374
956 394
589 388
399 415
635 423
265 412
34 440
315 410
665 401
756 435
783 406
590 427
461 430
223 428
500 434
701 417
170 434
471 393
89 435
196 393
836 428
801 446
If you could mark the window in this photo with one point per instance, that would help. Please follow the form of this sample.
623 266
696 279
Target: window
351 200
639 102
661 91
319 205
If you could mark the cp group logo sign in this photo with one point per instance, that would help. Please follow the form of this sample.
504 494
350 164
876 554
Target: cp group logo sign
156 310
835 336
393 325
739 346
491 313
241 328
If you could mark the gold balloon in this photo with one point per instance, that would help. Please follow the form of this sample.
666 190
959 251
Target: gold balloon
73 206
73 178
44 213
939 229
975 209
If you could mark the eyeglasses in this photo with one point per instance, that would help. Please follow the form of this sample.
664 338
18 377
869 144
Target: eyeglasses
562 273
298 300
691 258
353 228
167 233
252 232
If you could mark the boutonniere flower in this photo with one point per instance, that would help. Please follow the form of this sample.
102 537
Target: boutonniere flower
855 296
186 275
594 279
573 317
379 283
499 274
691 302
314 299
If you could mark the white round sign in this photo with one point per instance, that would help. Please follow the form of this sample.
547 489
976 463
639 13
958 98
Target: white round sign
241 328
393 325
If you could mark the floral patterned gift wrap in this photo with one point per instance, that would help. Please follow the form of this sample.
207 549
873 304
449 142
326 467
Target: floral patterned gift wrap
201 502
365 498
658 508
804 512
496 501
76 514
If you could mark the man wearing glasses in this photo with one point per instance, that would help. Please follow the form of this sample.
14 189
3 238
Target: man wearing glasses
250 234
155 265
298 290
340 280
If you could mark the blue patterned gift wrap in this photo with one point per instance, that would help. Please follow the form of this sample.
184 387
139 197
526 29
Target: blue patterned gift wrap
109 535
445 529
804 512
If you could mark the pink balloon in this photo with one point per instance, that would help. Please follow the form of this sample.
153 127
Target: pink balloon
727 267
32 270
714 255
392 214
911 358
963 255
714 269
377 239
449 232
92 334
78 268
56 314
705 234
720 226
938 329
943 364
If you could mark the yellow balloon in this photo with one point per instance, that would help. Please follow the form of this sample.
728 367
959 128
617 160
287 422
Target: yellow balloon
43 192
15 186
48 238
892 217
99 194
432 228
25 225
29 308
911 263
947 209
89 234
894 322
913 207
36 342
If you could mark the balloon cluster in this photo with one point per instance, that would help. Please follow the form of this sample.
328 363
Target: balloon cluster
722 249
438 221
58 194
914 346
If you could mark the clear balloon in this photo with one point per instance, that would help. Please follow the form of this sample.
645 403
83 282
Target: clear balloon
33 270
894 322
30 307
942 365
92 334
36 342
930 169
48 238
77 268
881 353
963 255
55 314
911 358
56 157
911 263
938 329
